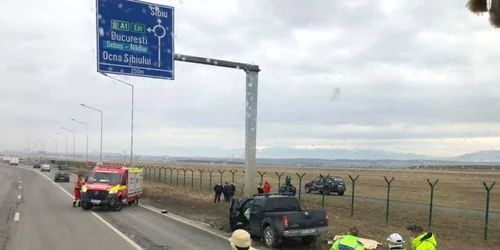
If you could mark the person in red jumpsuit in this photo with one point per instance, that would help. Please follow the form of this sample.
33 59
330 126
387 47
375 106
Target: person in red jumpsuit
267 188
77 190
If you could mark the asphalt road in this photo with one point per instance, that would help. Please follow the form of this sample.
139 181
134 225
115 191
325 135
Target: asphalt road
49 222
43 217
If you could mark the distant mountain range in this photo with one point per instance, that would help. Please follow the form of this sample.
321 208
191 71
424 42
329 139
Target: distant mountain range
313 157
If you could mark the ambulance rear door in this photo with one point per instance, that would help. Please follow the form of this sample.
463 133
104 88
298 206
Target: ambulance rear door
134 181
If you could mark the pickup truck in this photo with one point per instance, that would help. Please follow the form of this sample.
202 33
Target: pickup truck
277 217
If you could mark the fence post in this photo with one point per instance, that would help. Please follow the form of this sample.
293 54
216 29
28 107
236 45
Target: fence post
221 173
487 213
177 182
165 175
323 178
352 193
232 173
159 174
184 179
192 177
154 173
432 185
146 170
279 180
201 177
300 182
388 198
169 168
210 183
261 175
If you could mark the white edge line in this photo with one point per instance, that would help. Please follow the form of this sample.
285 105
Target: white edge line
16 216
183 221
187 223
114 229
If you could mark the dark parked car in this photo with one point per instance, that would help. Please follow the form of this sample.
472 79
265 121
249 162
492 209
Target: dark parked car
330 184
61 175
277 217
63 167
37 165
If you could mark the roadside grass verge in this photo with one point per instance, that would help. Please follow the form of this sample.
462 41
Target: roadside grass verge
454 231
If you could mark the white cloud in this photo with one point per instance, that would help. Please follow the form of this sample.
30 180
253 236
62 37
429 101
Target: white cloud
417 77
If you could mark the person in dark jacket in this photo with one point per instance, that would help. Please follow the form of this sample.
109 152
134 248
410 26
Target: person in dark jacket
231 190
260 188
218 191
224 191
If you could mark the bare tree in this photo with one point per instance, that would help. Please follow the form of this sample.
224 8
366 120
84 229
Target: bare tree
481 6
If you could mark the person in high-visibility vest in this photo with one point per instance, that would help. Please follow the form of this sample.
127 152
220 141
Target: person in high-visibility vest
421 240
77 190
349 242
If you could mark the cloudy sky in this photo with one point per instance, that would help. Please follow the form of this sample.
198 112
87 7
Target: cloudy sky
405 76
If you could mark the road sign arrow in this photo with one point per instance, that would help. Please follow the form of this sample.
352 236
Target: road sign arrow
159 21
150 30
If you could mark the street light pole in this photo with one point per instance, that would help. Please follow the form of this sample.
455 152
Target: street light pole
132 121
27 154
55 140
65 136
72 131
87 142
98 110
28 141
42 143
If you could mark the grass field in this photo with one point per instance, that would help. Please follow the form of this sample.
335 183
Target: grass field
454 189
454 231
458 188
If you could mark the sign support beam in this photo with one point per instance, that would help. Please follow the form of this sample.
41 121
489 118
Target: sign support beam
251 95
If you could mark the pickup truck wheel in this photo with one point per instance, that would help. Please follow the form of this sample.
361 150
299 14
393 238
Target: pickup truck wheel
341 193
308 190
309 240
269 237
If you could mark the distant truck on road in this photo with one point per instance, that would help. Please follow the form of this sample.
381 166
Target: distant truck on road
112 186
6 159
14 161
277 217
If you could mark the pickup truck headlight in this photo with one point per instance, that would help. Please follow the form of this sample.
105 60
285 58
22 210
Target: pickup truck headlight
113 191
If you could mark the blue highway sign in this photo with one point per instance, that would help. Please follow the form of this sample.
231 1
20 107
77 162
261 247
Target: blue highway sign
135 38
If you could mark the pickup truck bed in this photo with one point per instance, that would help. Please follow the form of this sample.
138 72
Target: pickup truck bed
276 217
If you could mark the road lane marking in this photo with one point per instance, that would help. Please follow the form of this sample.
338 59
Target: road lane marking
16 216
19 197
114 229
20 187
20 181
185 222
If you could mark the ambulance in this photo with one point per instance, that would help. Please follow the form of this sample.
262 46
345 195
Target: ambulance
112 186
